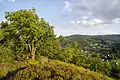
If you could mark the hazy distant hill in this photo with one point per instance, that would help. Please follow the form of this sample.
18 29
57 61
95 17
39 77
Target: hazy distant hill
80 38
105 44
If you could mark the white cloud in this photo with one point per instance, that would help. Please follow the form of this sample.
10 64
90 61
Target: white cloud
67 6
117 20
94 12
96 21
78 22
70 10
85 17
72 22
106 32
88 22
72 29
12 0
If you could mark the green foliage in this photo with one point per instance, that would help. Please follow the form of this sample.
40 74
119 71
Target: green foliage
50 49
5 54
26 31
115 71
33 62
67 54
107 68
55 70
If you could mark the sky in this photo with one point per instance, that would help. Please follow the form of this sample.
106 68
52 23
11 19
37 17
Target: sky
87 17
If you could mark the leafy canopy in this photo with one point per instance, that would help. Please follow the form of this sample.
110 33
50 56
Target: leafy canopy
26 31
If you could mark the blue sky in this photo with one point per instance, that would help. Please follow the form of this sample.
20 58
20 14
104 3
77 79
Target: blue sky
91 17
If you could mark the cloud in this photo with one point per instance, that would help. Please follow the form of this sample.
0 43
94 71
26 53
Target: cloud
116 20
88 22
72 29
106 32
72 22
12 0
67 6
94 12
8 0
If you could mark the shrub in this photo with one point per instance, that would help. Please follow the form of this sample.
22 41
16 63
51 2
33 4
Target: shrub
52 70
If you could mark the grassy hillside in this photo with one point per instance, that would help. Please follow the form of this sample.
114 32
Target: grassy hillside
46 70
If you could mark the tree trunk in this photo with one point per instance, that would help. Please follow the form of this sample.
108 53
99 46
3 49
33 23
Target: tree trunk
33 53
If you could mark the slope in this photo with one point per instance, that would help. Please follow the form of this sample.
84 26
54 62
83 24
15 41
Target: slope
47 70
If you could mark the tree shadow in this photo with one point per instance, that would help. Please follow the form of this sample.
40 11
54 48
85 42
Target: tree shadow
12 73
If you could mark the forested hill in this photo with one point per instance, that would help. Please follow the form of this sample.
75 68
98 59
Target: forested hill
105 44
114 38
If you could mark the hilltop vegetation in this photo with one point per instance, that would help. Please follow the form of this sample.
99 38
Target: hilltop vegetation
29 49
49 70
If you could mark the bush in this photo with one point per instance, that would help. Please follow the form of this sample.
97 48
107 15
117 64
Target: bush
51 70
5 54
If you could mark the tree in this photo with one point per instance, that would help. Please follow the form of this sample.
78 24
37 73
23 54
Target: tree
26 31
67 53
79 56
